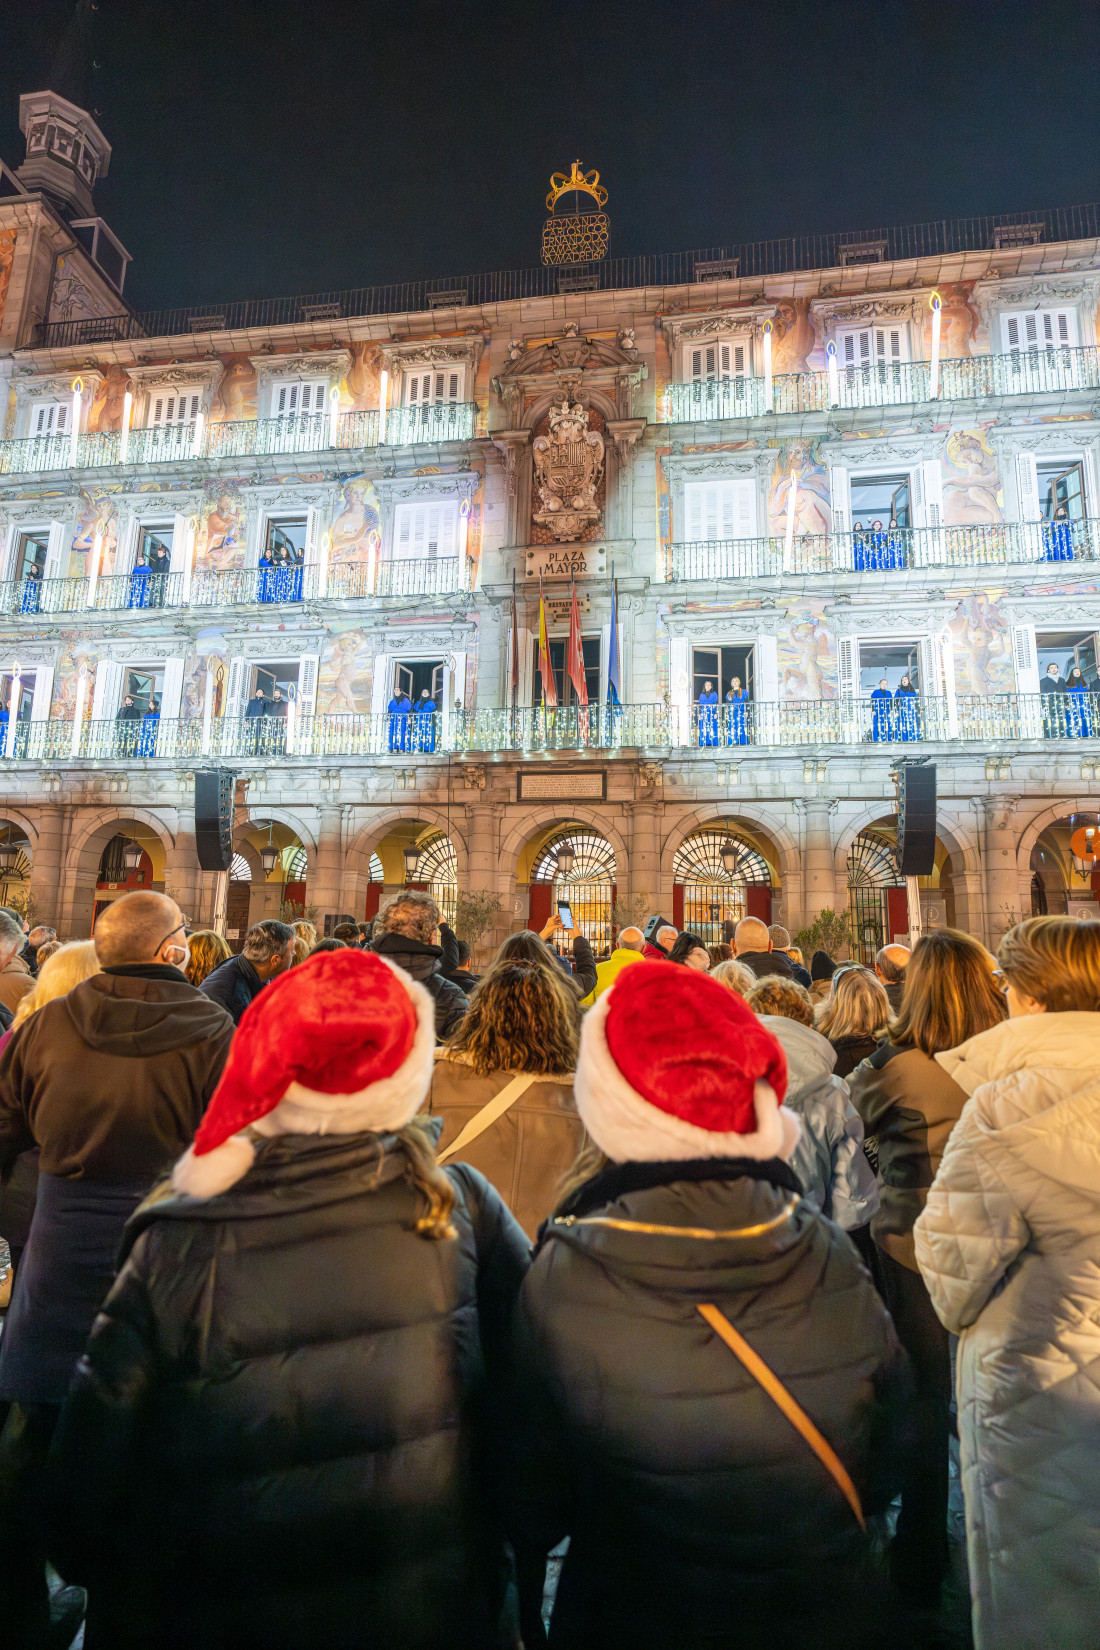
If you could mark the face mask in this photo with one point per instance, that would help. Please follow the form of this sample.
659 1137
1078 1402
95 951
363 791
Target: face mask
178 957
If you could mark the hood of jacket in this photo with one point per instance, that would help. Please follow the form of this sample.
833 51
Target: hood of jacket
413 956
1035 1083
810 1056
133 1017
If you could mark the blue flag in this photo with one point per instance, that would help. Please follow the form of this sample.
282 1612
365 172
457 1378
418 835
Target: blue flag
614 683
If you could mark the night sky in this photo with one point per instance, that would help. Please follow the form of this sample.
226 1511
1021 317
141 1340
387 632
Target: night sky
270 148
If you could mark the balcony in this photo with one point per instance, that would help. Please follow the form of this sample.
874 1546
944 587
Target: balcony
979 544
263 586
721 732
891 384
258 437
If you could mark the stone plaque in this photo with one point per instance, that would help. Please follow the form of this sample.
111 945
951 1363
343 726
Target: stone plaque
558 608
567 561
587 784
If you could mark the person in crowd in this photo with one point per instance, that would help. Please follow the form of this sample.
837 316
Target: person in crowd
160 565
708 715
329 943
1009 1247
822 969
39 935
15 976
890 965
349 933
268 949
109 1082
147 738
531 947
423 737
906 711
797 960
737 700
503 1085
1058 536
734 976
303 1343
860 553
205 952
663 940
682 1252
305 930
127 726
752 945
278 712
255 715
366 930
1079 717
882 713
31 599
781 947
457 957
854 1016
300 951
140 580
45 950
1051 691
829 1159
406 931
897 540
719 953
399 711
690 950
909 1104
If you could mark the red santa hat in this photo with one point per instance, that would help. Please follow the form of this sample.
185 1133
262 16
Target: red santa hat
674 1066
342 1044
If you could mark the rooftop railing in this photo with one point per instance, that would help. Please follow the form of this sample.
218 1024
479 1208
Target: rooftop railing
889 550
720 732
258 437
752 259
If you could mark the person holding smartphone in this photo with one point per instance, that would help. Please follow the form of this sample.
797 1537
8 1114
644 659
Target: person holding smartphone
582 966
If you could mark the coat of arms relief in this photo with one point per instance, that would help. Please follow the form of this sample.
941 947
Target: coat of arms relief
569 462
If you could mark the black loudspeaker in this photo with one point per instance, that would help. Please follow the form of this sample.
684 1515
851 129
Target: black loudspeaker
916 819
652 927
214 789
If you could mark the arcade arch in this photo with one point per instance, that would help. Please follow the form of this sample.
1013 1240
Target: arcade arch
878 907
721 874
571 861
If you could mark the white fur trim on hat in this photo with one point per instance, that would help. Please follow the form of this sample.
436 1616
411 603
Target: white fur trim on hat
380 1108
628 1129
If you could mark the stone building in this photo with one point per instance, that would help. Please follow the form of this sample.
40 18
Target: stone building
794 471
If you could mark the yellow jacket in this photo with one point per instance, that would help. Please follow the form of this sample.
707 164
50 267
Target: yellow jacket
608 972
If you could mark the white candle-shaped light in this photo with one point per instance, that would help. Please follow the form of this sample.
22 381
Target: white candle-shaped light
74 433
936 306
78 709
834 375
769 393
792 504
322 565
383 393
208 711
93 568
333 414
127 415
189 557
13 711
291 713
463 532
196 439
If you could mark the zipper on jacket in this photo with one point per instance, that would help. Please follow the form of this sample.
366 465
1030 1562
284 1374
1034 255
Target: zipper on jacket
681 1231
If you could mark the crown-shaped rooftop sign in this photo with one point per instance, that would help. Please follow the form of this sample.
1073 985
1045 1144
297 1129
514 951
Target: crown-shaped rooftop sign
575 237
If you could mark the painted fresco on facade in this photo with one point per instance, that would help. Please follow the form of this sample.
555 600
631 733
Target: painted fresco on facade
981 639
97 512
807 655
346 674
794 338
105 412
813 511
356 527
960 322
8 239
236 398
220 541
971 483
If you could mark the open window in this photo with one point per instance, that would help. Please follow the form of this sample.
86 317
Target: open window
726 668
1061 483
1068 649
25 697
412 676
30 551
278 676
888 662
880 499
144 684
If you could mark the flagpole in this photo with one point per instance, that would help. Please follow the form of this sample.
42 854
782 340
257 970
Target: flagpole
514 684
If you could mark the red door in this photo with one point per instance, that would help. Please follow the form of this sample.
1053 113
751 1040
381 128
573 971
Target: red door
758 902
897 912
542 905
374 900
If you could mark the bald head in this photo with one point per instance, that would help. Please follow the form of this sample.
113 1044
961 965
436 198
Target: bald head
631 939
750 936
667 937
891 963
140 928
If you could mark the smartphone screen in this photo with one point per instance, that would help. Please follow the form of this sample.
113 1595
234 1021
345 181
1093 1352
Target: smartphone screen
565 913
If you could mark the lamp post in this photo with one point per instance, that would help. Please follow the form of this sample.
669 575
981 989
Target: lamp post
9 852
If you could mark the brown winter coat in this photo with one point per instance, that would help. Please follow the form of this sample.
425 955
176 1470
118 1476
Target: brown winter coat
15 982
525 1153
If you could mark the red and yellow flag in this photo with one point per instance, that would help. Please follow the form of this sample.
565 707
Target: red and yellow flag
546 669
575 656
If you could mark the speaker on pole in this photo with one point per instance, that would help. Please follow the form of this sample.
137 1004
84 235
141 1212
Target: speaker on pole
916 818
214 789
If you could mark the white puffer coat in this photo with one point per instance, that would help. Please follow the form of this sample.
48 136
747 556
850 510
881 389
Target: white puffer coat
1009 1246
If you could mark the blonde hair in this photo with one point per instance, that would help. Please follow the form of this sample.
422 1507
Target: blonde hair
205 952
736 976
1056 960
69 966
950 993
776 995
416 1142
302 949
305 931
857 1006
795 955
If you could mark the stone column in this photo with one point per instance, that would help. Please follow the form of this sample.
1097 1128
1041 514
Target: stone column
484 873
818 890
47 864
1002 883
645 849
332 888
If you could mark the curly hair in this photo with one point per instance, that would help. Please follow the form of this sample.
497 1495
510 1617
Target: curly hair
775 994
523 1016
205 950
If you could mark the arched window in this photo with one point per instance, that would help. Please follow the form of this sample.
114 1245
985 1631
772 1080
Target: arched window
296 864
239 869
376 872
590 884
438 869
872 870
714 866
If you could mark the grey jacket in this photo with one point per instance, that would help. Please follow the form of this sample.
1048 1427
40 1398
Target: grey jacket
829 1159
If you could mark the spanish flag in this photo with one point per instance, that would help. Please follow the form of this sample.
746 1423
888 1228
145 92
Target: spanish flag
546 669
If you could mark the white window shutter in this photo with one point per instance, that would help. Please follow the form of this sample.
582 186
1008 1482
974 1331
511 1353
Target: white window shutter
929 684
932 489
234 699
107 691
1025 658
693 511
946 652
847 667
43 693
745 510
307 683
55 550
840 493
1089 456
766 669
171 692
1027 486
458 680
380 684
313 537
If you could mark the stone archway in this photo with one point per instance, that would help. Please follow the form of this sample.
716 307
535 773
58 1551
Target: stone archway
76 916
762 834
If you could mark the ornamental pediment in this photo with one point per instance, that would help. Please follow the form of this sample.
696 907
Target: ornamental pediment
1068 435
58 386
858 454
880 306
333 364
568 365
404 353
1050 608
692 326
172 375
916 616
751 461
458 484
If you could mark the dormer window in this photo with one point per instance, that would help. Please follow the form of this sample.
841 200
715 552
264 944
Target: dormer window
292 396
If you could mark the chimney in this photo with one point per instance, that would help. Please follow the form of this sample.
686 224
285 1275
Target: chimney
66 152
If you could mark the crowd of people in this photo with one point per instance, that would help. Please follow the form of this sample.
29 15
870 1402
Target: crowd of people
353 1287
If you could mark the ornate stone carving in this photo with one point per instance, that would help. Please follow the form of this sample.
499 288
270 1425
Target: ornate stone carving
625 432
651 773
569 464
473 776
565 363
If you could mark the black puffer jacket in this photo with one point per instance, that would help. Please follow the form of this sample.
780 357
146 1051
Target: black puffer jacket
425 963
698 1516
277 1435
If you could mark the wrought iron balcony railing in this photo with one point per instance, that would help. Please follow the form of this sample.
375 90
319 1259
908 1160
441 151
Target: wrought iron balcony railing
976 544
179 443
719 732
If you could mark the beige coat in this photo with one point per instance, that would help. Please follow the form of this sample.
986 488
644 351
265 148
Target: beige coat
15 982
525 1153
1009 1247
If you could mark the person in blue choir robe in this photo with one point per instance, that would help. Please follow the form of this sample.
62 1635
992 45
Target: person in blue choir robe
1079 708
737 698
877 547
267 576
896 557
859 548
291 575
424 731
32 588
399 710
147 738
906 711
708 715
882 718
1058 537
140 580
